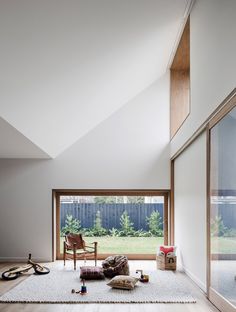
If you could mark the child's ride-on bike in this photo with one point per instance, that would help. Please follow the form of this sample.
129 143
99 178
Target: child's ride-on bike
15 272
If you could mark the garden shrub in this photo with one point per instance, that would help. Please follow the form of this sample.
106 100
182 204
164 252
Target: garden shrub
230 232
217 226
98 229
154 223
114 232
71 225
127 228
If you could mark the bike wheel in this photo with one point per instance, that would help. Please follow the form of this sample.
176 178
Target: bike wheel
41 270
8 276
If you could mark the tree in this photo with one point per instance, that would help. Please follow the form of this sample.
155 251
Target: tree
135 199
119 199
126 224
71 225
105 199
154 223
217 226
98 229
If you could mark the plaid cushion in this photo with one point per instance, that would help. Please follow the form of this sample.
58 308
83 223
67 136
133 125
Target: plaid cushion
91 272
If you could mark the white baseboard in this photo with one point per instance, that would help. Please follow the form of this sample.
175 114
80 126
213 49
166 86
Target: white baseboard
195 279
24 259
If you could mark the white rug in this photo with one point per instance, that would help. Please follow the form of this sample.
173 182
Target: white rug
164 287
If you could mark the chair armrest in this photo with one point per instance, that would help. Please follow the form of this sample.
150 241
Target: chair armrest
89 246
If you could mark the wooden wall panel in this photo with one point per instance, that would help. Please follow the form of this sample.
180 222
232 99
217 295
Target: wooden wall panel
180 83
179 97
181 60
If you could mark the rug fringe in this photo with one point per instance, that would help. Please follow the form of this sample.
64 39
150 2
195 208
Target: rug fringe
95 302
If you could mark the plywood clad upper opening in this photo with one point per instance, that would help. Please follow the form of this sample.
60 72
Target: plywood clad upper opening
180 82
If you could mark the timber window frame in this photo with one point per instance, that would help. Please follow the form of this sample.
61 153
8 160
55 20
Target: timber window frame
56 255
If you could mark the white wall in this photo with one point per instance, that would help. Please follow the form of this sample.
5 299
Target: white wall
128 150
213 63
190 210
212 78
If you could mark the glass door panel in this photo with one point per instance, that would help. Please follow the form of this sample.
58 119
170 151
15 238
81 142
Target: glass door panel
223 208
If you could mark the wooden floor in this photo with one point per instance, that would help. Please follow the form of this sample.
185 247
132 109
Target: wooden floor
202 305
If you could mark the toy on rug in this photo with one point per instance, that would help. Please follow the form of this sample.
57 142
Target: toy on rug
83 290
144 278
15 272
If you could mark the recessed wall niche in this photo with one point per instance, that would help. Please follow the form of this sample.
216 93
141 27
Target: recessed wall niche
180 83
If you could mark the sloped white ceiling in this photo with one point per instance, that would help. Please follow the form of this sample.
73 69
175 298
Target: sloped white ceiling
68 65
13 144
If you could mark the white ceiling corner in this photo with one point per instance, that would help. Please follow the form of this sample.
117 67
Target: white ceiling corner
16 145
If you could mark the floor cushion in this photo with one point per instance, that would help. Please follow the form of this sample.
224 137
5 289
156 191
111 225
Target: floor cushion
91 273
123 282
115 265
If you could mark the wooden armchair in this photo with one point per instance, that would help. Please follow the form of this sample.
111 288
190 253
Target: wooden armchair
76 248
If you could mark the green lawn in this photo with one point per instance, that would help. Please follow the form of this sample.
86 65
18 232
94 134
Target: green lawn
224 245
148 245
124 245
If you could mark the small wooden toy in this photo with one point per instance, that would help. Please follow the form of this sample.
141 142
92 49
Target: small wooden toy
73 291
144 278
83 290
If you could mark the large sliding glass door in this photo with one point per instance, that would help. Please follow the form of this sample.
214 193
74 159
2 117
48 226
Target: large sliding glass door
222 213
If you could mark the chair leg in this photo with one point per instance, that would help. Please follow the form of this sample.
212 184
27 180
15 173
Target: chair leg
74 257
95 252
64 254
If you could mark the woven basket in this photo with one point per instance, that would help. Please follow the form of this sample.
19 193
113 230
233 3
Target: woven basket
166 263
